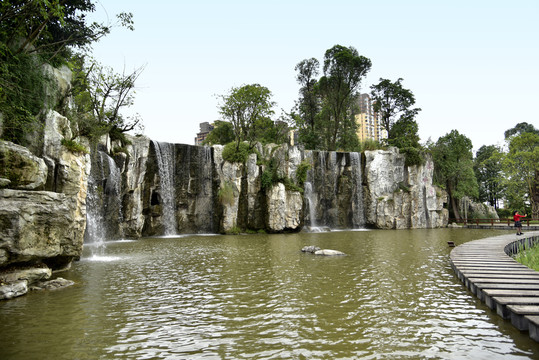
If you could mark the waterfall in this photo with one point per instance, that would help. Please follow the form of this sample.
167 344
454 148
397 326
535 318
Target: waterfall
204 199
103 202
164 153
358 212
310 196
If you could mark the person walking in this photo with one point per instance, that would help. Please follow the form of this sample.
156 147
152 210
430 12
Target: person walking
518 223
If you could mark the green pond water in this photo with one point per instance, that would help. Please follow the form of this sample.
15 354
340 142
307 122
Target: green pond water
394 296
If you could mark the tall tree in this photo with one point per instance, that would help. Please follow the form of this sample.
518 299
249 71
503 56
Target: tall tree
521 128
393 103
522 169
453 167
489 174
344 70
246 107
308 105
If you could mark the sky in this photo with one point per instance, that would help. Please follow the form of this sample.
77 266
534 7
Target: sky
473 65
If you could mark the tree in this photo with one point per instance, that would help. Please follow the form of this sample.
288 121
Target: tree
51 27
393 103
489 174
522 172
343 69
100 96
453 167
521 128
222 134
308 105
245 107
404 134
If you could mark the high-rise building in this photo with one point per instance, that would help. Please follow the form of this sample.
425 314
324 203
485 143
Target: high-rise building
205 129
367 120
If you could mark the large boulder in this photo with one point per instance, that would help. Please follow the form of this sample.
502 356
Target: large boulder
20 169
39 226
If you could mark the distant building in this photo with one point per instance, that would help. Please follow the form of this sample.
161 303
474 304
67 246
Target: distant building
205 129
367 120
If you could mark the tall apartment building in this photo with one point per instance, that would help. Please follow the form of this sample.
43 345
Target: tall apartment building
205 129
368 125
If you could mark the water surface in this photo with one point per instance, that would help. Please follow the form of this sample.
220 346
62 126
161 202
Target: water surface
394 296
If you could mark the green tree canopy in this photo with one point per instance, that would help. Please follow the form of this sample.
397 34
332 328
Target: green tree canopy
522 172
222 134
453 167
325 112
246 108
489 174
521 128
394 103
344 69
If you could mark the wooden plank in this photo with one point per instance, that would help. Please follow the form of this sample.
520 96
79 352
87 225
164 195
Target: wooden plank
519 313
500 303
486 295
533 326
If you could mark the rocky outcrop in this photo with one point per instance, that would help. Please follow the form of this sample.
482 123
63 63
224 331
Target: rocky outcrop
42 206
401 197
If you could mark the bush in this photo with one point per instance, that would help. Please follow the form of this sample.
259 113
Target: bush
74 146
301 173
233 155
414 156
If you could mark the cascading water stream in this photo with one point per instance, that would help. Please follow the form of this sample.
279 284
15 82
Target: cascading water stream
358 212
103 205
310 196
164 153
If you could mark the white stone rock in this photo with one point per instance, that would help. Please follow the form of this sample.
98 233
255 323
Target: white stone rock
9 291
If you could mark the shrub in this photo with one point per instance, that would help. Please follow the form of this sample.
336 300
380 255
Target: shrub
74 146
233 155
301 173
413 155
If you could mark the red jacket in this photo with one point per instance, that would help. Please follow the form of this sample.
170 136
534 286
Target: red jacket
517 217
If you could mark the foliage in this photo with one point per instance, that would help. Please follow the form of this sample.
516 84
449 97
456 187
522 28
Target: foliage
529 256
394 103
270 176
234 154
51 28
521 128
453 167
489 174
308 105
404 134
226 193
100 96
74 147
413 156
301 172
23 92
324 114
245 107
32 34
221 134
521 165
343 70
371 144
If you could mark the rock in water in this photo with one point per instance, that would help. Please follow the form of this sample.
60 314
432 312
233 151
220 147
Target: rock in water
310 249
329 252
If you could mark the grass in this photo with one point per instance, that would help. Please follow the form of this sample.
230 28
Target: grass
529 256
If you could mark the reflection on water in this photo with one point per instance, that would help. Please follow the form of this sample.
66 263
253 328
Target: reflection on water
394 296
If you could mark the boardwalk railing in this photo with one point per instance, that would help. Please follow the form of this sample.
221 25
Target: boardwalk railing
493 222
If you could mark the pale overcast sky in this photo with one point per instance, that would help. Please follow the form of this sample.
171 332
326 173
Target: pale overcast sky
473 65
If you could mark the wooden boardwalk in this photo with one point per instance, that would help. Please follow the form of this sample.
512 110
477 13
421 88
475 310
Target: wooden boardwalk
511 289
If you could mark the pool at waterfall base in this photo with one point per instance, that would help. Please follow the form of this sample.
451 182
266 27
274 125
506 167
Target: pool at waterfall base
393 296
